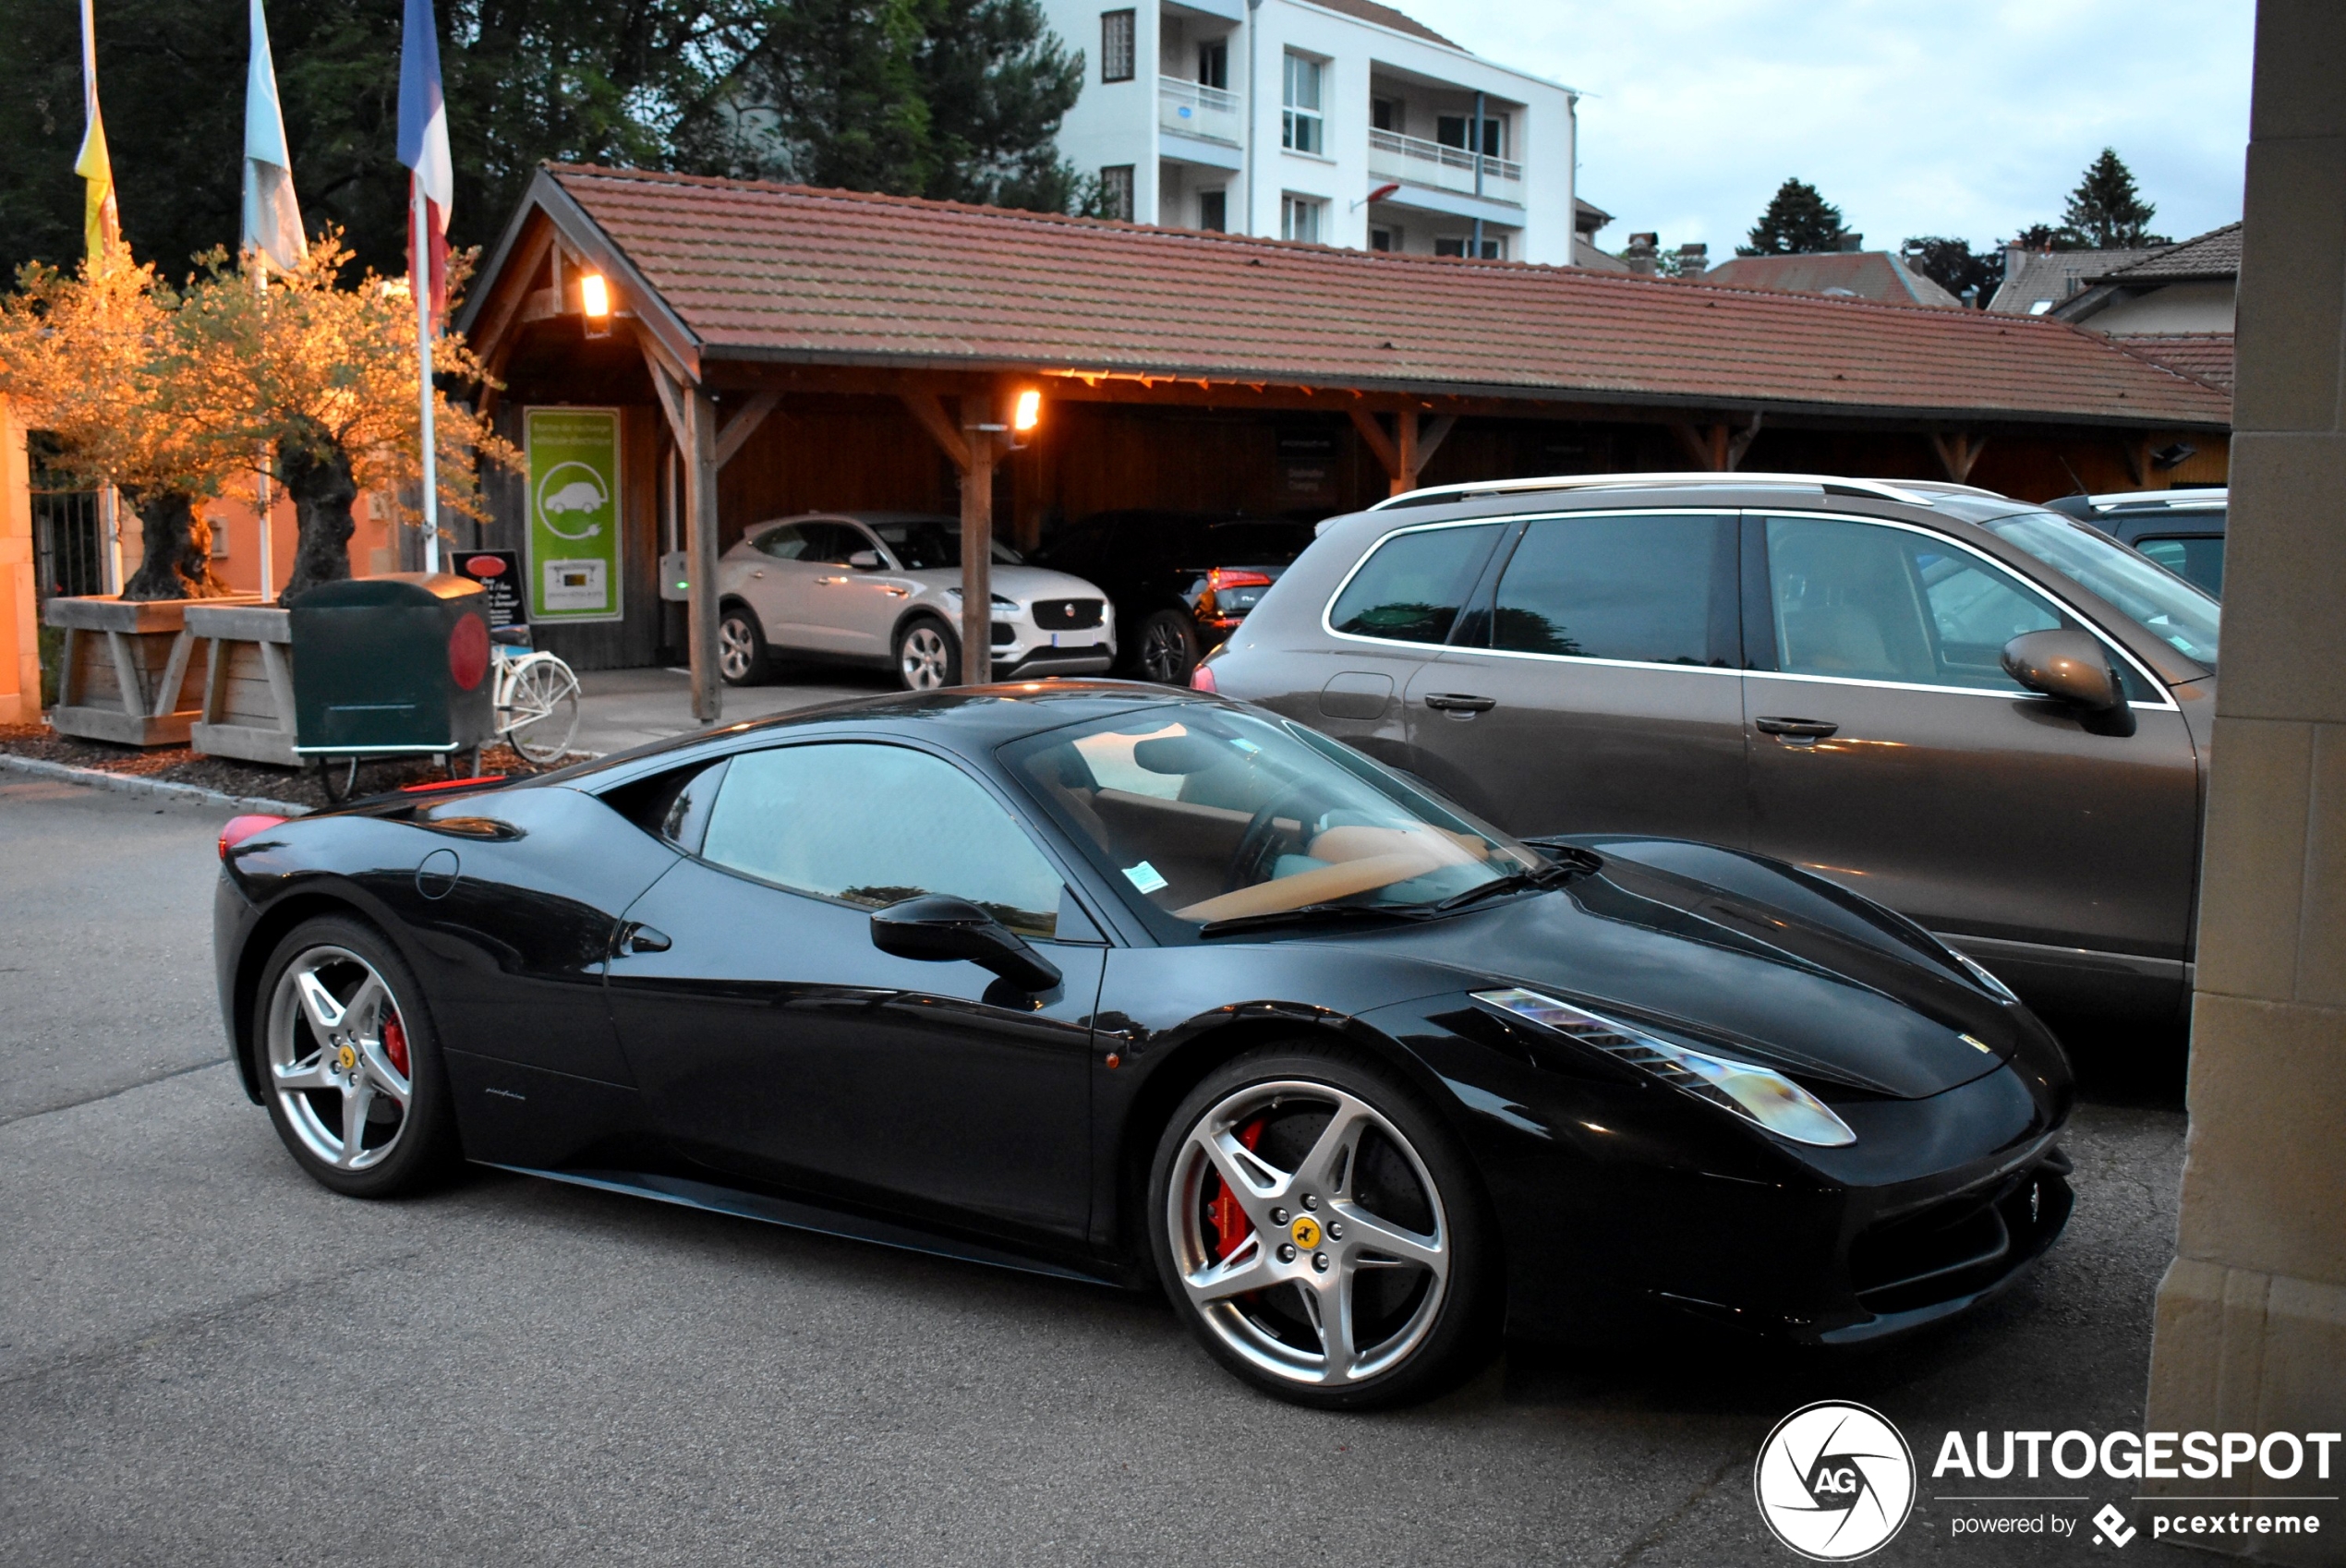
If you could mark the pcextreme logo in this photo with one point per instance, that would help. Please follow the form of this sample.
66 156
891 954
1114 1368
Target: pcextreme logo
1834 1481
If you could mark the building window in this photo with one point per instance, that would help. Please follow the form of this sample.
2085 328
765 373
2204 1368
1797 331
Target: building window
1213 210
1300 129
1385 239
1214 64
1115 45
1450 130
1116 191
1387 115
1494 249
1300 218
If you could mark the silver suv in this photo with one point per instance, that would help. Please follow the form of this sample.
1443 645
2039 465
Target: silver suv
1988 715
885 587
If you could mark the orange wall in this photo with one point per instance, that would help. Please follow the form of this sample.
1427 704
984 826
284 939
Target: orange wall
236 524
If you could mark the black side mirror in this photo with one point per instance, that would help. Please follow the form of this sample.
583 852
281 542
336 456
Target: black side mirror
865 560
2070 667
940 927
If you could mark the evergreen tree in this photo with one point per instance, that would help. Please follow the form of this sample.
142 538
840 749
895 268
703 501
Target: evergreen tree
1798 221
1954 266
2106 213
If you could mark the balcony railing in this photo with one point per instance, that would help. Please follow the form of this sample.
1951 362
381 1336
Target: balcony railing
1191 108
1415 161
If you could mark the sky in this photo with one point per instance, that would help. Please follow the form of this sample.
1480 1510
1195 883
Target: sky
1970 120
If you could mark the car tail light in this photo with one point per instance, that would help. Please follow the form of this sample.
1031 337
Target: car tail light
240 829
1201 680
1223 577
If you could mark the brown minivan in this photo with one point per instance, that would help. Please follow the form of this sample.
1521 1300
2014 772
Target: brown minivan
1988 715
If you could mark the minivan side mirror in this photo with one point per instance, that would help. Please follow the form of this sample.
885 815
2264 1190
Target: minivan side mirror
2069 667
939 927
865 560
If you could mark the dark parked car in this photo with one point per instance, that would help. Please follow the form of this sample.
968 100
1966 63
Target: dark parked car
1144 987
2182 530
1181 582
1989 717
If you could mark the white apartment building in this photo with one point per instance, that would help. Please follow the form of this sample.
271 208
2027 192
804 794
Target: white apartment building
1339 121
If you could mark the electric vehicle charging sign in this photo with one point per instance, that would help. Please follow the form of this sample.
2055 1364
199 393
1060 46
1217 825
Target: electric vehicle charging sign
575 554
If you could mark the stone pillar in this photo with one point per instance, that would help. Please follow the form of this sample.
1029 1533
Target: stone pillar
19 610
2251 1332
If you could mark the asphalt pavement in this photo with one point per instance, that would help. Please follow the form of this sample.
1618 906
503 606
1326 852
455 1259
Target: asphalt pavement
618 708
206 1358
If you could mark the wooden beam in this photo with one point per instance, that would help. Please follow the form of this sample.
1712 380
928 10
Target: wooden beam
1740 443
1957 450
979 440
1378 444
2137 455
1405 448
744 425
1432 434
489 332
670 384
929 410
700 547
1707 444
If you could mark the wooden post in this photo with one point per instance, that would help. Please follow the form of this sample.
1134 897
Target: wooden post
979 428
700 546
1405 452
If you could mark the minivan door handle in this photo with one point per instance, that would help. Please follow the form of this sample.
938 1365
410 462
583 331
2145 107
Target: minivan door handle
1459 702
1796 728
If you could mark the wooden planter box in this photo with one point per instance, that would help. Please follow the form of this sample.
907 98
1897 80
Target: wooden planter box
248 704
128 670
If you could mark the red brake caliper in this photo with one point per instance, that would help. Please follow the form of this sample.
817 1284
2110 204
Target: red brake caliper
1231 1227
396 1044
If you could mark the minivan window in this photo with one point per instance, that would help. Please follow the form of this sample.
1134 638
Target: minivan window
1865 602
877 825
1413 585
2197 558
1653 589
2166 605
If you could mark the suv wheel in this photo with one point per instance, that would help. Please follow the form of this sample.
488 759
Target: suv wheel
1167 647
927 655
741 649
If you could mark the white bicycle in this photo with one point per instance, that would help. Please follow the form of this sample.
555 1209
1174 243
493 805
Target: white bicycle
537 698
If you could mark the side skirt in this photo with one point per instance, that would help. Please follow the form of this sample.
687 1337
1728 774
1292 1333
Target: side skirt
802 1216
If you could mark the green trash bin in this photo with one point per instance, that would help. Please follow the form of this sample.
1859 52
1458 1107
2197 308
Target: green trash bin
392 665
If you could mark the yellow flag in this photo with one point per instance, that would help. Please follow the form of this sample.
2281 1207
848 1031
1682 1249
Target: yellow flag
100 221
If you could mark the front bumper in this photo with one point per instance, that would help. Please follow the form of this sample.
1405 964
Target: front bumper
1031 654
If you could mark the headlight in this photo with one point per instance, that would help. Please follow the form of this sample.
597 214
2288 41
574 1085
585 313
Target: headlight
1757 1094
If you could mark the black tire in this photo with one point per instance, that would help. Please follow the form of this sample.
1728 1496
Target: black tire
1435 1330
927 656
422 1149
339 778
1164 647
743 659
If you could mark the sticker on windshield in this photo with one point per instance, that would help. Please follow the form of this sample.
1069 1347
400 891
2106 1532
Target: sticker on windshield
1144 876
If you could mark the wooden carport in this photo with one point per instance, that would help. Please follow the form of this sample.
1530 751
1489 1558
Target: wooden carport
789 348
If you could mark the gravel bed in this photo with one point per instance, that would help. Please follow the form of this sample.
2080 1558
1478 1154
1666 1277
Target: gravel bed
182 765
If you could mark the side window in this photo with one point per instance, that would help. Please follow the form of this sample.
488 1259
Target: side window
832 543
786 543
875 824
1873 603
2197 558
1413 585
1655 589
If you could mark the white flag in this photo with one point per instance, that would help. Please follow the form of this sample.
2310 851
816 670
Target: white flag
273 219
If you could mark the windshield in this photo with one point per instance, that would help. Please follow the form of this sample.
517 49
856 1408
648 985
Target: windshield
925 544
2170 609
1201 814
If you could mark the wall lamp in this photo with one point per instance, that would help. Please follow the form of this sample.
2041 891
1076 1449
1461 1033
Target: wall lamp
1379 194
593 298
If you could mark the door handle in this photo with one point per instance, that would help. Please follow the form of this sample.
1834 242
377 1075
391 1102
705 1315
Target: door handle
830 581
644 939
897 593
1796 728
1459 702
757 572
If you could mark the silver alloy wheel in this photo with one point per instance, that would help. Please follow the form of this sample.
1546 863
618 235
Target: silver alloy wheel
542 711
925 658
1165 652
736 649
1348 1241
336 1074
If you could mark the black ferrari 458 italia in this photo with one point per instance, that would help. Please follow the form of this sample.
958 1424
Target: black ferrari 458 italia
1136 985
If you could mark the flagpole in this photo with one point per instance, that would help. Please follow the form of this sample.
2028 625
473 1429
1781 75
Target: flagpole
109 498
419 283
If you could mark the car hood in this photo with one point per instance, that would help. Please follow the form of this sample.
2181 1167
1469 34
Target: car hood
1024 584
1778 965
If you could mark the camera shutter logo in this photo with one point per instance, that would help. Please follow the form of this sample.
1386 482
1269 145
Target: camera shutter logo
1834 1481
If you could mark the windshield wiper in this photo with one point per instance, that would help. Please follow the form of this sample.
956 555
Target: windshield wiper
1306 913
1513 882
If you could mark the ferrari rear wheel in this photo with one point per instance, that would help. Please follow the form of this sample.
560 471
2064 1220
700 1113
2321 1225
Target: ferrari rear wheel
1321 1233
350 1066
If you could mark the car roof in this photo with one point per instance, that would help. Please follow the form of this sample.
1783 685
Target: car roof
2214 500
974 720
870 519
1910 492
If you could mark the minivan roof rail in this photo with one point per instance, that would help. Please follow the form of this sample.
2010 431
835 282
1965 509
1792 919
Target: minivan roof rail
1831 484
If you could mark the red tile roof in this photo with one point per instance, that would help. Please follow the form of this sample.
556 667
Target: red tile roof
1384 16
2207 356
1858 274
778 272
2215 254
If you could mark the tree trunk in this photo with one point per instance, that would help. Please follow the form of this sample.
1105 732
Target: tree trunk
322 491
176 561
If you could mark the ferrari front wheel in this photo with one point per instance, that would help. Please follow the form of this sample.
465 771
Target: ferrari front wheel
1321 1233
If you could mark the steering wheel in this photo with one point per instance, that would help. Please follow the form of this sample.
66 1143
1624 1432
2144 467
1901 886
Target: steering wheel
1255 844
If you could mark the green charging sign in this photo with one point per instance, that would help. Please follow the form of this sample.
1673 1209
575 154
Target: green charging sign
574 513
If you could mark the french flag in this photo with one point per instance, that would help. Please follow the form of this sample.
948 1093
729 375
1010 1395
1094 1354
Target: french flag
423 146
